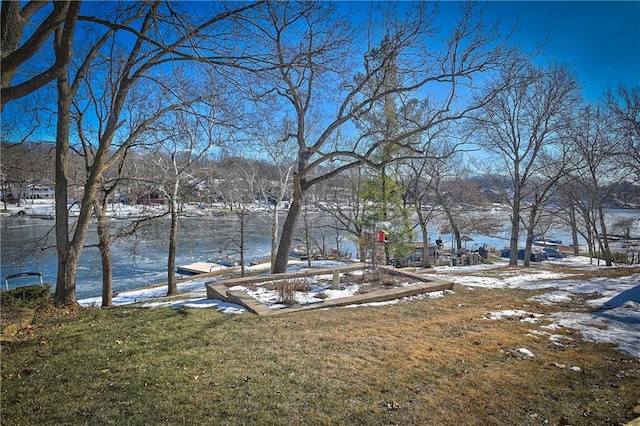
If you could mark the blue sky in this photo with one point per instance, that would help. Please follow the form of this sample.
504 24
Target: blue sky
600 40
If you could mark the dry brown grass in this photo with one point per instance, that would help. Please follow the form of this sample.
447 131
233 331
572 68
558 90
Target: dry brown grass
466 370
424 362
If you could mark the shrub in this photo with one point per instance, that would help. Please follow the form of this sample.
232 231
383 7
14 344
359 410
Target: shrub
287 290
32 296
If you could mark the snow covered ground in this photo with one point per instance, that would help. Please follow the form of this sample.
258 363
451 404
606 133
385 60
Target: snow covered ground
615 317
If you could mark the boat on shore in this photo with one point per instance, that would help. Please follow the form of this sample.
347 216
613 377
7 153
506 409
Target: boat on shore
25 286
301 253
547 243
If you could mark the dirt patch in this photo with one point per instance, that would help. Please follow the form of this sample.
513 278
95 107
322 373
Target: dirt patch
15 319
377 281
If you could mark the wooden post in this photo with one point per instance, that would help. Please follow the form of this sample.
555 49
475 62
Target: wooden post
336 281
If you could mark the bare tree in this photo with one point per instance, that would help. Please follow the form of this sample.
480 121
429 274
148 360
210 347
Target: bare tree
624 105
597 151
454 192
521 125
553 166
186 136
344 203
305 229
436 183
244 184
313 81
24 164
153 40
18 52
105 236
340 200
274 188
109 231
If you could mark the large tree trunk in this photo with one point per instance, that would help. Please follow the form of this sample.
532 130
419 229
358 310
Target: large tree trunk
107 270
243 224
590 237
513 239
574 229
286 238
425 238
533 219
457 246
528 247
69 250
515 230
65 293
274 235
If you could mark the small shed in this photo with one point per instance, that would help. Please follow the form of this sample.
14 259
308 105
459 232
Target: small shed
416 257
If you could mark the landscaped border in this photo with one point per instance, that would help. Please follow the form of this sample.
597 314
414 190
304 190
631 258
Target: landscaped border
221 289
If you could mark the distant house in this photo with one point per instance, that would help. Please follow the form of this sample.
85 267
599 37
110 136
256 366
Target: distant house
39 192
150 199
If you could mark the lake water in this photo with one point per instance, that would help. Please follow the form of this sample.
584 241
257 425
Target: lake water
140 262
137 262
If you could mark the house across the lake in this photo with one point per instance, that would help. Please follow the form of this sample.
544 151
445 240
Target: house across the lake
150 199
39 192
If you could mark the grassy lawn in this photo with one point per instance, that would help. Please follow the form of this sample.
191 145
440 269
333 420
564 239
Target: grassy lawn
431 361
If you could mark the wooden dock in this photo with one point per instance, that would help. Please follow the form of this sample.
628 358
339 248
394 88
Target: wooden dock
201 268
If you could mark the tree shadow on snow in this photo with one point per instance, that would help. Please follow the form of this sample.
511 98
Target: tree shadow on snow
620 309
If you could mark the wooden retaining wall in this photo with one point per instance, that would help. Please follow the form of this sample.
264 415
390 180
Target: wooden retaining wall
220 290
